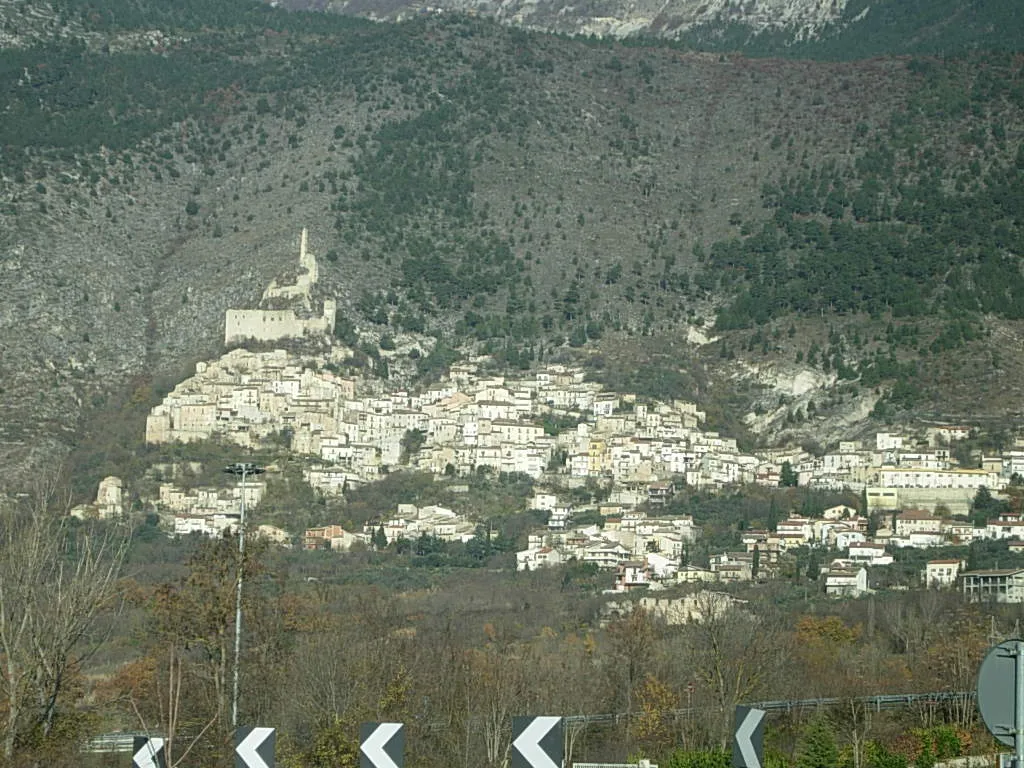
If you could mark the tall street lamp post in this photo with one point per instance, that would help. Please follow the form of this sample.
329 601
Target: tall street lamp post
241 469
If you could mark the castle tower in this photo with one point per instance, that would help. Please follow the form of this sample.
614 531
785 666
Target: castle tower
307 261
290 321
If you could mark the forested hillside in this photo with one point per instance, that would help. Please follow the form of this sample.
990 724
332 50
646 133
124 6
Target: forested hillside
883 28
507 192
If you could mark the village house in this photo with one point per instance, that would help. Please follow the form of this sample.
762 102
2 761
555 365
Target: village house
937 459
796 531
843 538
605 553
631 575
109 501
537 557
543 501
1013 463
839 512
887 441
660 493
1004 529
693 574
332 537
865 553
662 568
559 518
941 573
921 540
845 578
997 585
914 521
753 537
732 566
213 526
605 404
963 533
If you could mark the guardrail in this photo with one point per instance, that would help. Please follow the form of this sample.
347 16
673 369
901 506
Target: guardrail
112 742
124 742
878 703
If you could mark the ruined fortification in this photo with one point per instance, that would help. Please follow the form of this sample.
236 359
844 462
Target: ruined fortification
287 309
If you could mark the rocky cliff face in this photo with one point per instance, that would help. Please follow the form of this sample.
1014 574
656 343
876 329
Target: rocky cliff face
799 19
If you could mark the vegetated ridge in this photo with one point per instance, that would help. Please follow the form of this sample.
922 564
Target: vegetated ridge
844 236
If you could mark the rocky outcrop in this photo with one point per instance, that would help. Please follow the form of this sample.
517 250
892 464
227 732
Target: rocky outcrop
801 19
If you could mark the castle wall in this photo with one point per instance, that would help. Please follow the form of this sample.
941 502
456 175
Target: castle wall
262 325
275 324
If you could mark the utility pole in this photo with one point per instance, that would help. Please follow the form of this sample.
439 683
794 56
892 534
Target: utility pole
241 469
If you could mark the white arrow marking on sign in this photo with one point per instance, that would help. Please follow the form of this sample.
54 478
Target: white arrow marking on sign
374 745
744 736
528 742
146 756
246 749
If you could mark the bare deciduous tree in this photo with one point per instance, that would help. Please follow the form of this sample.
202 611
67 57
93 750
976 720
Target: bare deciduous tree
736 656
57 576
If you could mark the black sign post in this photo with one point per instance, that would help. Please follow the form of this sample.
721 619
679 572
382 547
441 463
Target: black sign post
381 745
537 742
748 739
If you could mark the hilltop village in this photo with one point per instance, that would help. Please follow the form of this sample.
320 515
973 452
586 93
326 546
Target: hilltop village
563 432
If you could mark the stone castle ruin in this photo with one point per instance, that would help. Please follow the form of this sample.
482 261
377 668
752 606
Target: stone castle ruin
287 309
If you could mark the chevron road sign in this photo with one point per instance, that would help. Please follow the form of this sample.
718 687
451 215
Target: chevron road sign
148 753
381 745
254 747
537 742
748 741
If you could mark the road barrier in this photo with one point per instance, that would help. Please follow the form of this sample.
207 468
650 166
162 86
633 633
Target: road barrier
122 742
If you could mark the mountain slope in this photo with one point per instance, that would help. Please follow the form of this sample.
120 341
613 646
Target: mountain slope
525 195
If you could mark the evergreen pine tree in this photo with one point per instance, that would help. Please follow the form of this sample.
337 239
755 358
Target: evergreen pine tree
817 748
787 477
813 569
380 540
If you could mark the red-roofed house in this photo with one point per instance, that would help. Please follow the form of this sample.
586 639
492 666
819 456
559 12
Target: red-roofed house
1004 529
